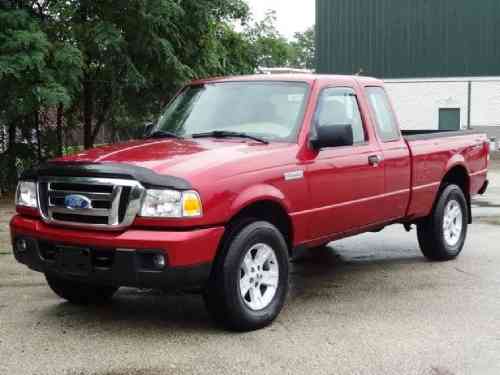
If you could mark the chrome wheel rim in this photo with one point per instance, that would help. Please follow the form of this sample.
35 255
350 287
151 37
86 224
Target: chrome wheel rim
259 277
452 223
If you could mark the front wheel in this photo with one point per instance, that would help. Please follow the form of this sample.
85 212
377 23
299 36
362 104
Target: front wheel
249 281
442 235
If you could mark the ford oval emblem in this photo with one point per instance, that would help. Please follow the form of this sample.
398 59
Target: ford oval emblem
77 202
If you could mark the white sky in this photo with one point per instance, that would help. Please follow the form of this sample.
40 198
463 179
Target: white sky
293 15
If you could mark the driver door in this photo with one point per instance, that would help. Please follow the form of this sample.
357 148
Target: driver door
347 182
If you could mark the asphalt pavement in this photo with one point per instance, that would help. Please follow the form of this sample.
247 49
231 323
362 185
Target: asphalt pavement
366 305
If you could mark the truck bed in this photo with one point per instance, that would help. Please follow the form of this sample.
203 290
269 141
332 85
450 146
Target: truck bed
432 154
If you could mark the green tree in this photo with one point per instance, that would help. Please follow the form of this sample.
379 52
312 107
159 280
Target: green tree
31 72
138 53
270 48
104 64
302 53
273 50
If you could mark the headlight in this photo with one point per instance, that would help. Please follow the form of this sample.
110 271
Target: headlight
26 194
171 203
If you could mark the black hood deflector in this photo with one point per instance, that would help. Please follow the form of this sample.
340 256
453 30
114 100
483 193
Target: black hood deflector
145 176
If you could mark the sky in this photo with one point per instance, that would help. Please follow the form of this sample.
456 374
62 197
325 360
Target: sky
293 15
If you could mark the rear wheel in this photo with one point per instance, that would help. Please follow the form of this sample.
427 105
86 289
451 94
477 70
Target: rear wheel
442 235
249 281
80 293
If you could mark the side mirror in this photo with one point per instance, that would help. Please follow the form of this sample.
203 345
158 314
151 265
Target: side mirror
148 128
332 136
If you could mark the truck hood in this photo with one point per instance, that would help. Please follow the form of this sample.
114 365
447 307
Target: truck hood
186 158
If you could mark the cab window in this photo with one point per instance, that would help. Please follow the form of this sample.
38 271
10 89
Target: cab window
339 106
385 124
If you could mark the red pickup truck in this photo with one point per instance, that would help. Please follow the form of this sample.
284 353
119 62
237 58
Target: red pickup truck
236 175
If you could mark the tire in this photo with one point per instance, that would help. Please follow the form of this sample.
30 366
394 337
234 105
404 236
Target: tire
253 263
442 234
80 293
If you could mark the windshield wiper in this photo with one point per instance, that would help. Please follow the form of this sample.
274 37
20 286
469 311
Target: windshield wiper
228 134
164 134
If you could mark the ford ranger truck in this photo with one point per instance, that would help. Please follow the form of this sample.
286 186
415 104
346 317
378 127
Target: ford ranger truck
236 175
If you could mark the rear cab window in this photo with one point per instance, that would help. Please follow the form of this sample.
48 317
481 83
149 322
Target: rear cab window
385 122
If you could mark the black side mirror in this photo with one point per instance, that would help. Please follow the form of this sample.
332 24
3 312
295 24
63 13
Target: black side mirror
148 128
332 136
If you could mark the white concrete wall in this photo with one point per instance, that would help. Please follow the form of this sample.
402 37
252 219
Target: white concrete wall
485 108
417 101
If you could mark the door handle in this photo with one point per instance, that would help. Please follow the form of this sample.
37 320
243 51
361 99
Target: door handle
374 160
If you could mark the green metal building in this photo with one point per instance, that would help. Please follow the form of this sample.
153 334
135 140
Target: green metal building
409 38
440 58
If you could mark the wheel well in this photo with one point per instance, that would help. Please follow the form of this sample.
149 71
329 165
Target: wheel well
458 176
269 211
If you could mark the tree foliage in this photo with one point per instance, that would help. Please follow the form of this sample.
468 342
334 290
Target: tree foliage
96 70
302 53
137 53
104 64
34 73
271 49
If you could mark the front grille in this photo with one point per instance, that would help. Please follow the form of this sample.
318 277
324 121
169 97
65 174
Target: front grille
100 203
74 218
88 188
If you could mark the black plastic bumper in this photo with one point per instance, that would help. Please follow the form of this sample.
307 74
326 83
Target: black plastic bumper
116 267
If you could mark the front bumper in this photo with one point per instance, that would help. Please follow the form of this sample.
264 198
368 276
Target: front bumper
122 258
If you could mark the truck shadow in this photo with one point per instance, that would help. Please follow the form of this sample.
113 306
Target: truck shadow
134 310
332 272
324 275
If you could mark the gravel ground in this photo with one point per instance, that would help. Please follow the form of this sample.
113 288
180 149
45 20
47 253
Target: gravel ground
366 305
6 212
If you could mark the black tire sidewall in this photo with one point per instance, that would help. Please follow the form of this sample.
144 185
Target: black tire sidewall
257 232
451 192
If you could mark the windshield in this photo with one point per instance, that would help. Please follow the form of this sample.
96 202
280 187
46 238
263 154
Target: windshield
269 110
